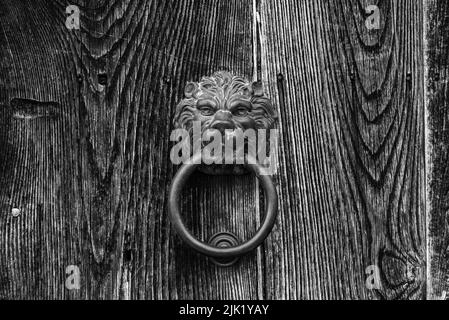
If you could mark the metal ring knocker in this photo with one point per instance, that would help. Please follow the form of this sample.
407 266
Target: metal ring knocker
221 102
226 251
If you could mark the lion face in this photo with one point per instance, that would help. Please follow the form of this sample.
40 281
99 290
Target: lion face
223 101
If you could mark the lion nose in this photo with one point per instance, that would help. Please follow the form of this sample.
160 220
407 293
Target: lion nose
223 121
223 115
222 125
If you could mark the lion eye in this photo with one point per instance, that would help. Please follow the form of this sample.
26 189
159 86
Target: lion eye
240 111
206 110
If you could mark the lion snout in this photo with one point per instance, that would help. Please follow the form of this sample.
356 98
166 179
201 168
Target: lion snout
222 125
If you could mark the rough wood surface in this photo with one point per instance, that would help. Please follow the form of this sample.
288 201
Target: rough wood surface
438 141
92 181
88 164
351 182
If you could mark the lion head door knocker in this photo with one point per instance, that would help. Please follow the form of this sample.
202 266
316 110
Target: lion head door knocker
222 126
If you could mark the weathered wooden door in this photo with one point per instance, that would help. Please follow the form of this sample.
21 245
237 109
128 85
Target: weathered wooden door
86 116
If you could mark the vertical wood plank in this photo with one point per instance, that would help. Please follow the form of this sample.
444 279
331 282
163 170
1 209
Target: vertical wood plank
351 179
97 177
38 165
437 58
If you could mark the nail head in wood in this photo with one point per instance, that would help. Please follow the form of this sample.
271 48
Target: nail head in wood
15 212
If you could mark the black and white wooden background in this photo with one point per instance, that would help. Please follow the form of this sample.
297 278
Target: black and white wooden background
85 120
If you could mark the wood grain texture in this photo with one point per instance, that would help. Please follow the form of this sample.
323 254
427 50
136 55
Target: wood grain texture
351 179
38 171
438 174
92 183
149 56
85 119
